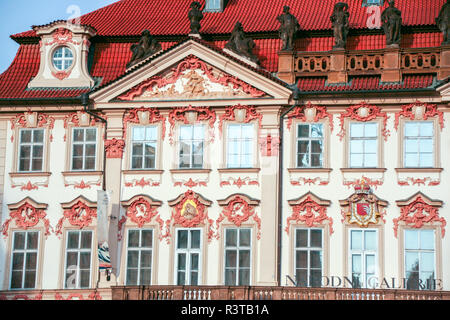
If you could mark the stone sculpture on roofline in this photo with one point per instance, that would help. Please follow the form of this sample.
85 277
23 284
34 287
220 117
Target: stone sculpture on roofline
443 22
339 20
241 45
391 19
146 47
195 16
288 29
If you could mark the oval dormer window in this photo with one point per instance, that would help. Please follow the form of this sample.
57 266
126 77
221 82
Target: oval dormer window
62 58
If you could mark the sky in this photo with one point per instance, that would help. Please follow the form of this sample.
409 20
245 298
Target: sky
19 15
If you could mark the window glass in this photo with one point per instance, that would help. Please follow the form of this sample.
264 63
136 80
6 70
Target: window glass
418 144
62 58
240 145
31 150
310 145
363 253
24 260
308 257
84 146
188 257
191 146
139 257
237 256
363 145
144 144
78 259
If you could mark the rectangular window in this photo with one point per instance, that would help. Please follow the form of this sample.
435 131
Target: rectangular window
212 5
144 142
240 146
237 257
84 148
310 145
78 260
418 145
188 257
363 257
191 146
420 259
139 257
308 257
24 260
364 145
31 150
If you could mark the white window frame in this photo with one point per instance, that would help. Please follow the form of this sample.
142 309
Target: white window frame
418 138
143 142
213 5
191 142
139 249
31 145
419 251
84 143
310 139
78 250
237 248
63 58
363 253
240 140
377 151
188 251
308 249
24 251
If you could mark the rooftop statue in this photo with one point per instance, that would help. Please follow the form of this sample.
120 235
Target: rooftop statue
339 20
146 47
240 44
392 23
443 21
195 16
288 29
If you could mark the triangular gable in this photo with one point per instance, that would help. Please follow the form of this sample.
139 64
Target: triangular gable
193 71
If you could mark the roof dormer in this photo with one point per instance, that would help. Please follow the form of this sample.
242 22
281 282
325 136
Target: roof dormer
64 51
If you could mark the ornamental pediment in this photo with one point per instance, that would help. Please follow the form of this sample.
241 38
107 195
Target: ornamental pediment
191 79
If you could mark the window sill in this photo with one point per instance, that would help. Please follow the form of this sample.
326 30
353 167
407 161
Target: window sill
311 170
146 171
421 170
238 170
363 169
29 174
178 171
81 173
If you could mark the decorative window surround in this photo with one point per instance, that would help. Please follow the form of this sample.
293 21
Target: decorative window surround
363 208
372 176
363 112
79 213
311 211
143 116
419 176
63 34
189 210
26 214
83 179
80 119
419 211
190 177
239 177
310 113
238 209
419 111
309 176
29 181
142 178
240 114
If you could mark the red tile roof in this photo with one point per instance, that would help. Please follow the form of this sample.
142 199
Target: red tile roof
364 83
163 17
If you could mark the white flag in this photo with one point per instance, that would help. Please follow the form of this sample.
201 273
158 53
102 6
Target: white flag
103 212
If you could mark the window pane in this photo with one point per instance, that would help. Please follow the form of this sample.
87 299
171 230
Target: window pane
133 238
132 277
247 131
186 132
411 129
38 136
426 129
303 131
315 278
412 145
356 240
302 238
427 239
315 259
32 240
18 259
244 258
91 135
316 238
316 146
412 261
316 160
73 238
244 277
301 277
72 260
244 237
147 238
370 146
78 135
181 261
356 160
370 130
138 133
370 240
84 278
151 133
31 261
230 258
133 259
411 239
182 239
426 160
230 277
316 130
357 130
426 145
86 239
234 131
30 279
370 264
356 263
19 240
427 262
356 146
25 136
146 259
411 160
231 237
370 160
90 150
16 279
85 260
195 239
301 259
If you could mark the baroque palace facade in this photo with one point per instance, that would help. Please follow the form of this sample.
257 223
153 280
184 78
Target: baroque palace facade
288 151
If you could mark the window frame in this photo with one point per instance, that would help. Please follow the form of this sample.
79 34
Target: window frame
63 59
188 252
418 139
297 139
308 249
72 143
139 249
31 144
209 8
93 253
25 251
192 141
253 155
143 142
237 248
363 253
350 139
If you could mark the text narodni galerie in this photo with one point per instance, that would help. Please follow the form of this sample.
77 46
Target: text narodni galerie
230 309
